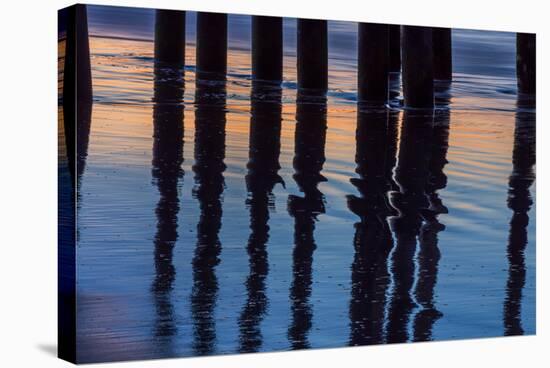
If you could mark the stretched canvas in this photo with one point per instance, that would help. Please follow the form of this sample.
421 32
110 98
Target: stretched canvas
245 183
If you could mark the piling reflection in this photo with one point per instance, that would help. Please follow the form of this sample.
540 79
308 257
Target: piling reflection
209 166
394 88
442 98
375 156
520 202
411 201
428 254
167 173
83 126
66 191
66 232
310 134
263 167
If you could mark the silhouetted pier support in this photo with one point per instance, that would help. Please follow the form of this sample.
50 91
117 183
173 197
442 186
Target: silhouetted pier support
77 88
170 37
395 48
76 107
526 58
417 59
77 49
373 59
443 56
211 45
312 54
267 48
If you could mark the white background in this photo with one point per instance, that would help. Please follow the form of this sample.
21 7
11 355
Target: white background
28 181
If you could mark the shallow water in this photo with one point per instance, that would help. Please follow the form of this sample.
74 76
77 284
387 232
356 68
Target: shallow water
200 231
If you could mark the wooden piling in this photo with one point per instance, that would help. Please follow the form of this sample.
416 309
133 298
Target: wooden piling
170 37
211 45
417 59
442 51
77 77
312 61
267 48
77 56
395 48
526 58
373 60
76 103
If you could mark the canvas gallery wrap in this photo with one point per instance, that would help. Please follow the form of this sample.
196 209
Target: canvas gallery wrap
235 184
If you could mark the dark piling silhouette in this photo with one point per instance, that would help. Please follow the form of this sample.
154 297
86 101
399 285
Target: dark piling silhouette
310 134
520 202
211 45
77 58
209 166
170 37
267 48
373 62
168 128
412 202
75 112
443 56
263 167
526 62
395 48
375 155
77 82
417 59
312 55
